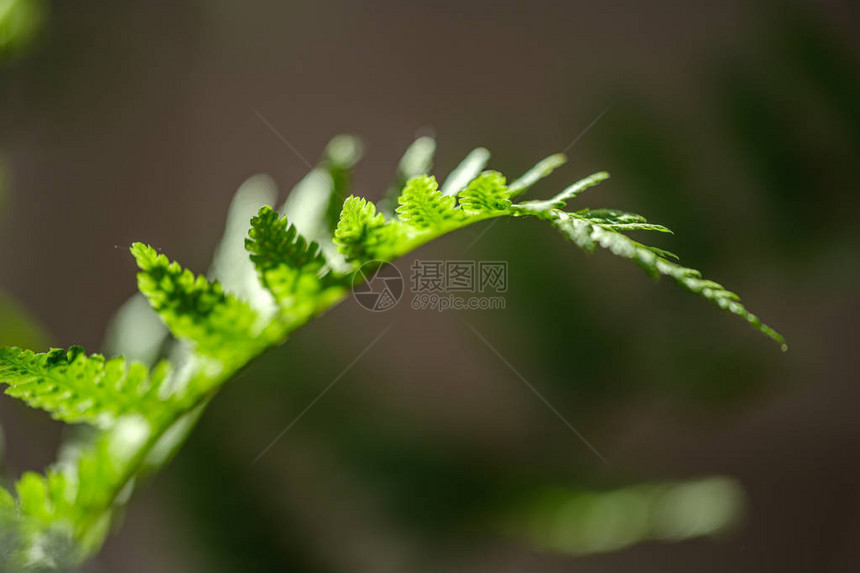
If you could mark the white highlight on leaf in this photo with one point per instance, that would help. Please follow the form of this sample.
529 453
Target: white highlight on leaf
230 264
468 169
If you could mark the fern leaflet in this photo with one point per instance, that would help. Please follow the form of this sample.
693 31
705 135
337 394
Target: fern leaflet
75 387
486 194
218 324
294 270
422 205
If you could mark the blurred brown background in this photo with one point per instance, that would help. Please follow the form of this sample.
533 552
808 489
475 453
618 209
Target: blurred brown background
737 124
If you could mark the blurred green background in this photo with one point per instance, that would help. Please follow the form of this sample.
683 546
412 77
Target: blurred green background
736 124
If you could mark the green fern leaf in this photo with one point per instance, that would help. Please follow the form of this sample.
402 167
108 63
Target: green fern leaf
486 195
219 325
588 235
62 517
423 206
75 387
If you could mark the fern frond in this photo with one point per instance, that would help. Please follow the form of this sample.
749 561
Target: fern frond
75 387
423 206
588 235
219 325
486 194
63 516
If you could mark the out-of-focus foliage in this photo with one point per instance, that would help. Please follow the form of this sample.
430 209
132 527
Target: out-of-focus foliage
144 414
20 22
580 522
17 328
